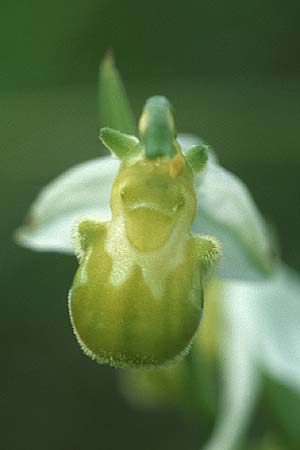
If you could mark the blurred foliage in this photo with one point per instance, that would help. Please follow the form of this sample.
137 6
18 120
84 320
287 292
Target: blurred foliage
283 407
55 42
232 71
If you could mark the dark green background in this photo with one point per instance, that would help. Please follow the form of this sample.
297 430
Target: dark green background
232 72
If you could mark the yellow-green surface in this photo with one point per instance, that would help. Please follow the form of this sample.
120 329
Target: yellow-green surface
137 297
232 72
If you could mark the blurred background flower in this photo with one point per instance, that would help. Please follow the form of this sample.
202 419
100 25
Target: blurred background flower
232 72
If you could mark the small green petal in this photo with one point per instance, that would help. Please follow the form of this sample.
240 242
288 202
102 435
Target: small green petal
197 157
120 144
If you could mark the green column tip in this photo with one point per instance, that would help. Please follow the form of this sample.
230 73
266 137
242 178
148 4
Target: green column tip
157 128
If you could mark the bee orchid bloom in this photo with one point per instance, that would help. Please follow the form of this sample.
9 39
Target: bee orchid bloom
159 300
137 297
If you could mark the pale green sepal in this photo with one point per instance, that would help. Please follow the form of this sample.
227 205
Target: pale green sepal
240 376
120 144
260 335
81 191
275 309
197 157
114 106
227 211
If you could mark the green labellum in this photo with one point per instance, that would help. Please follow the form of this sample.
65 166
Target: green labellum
137 296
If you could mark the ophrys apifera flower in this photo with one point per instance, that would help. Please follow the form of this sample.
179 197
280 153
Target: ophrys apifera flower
137 297
258 301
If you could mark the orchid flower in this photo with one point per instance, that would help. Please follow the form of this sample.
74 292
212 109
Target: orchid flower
259 299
